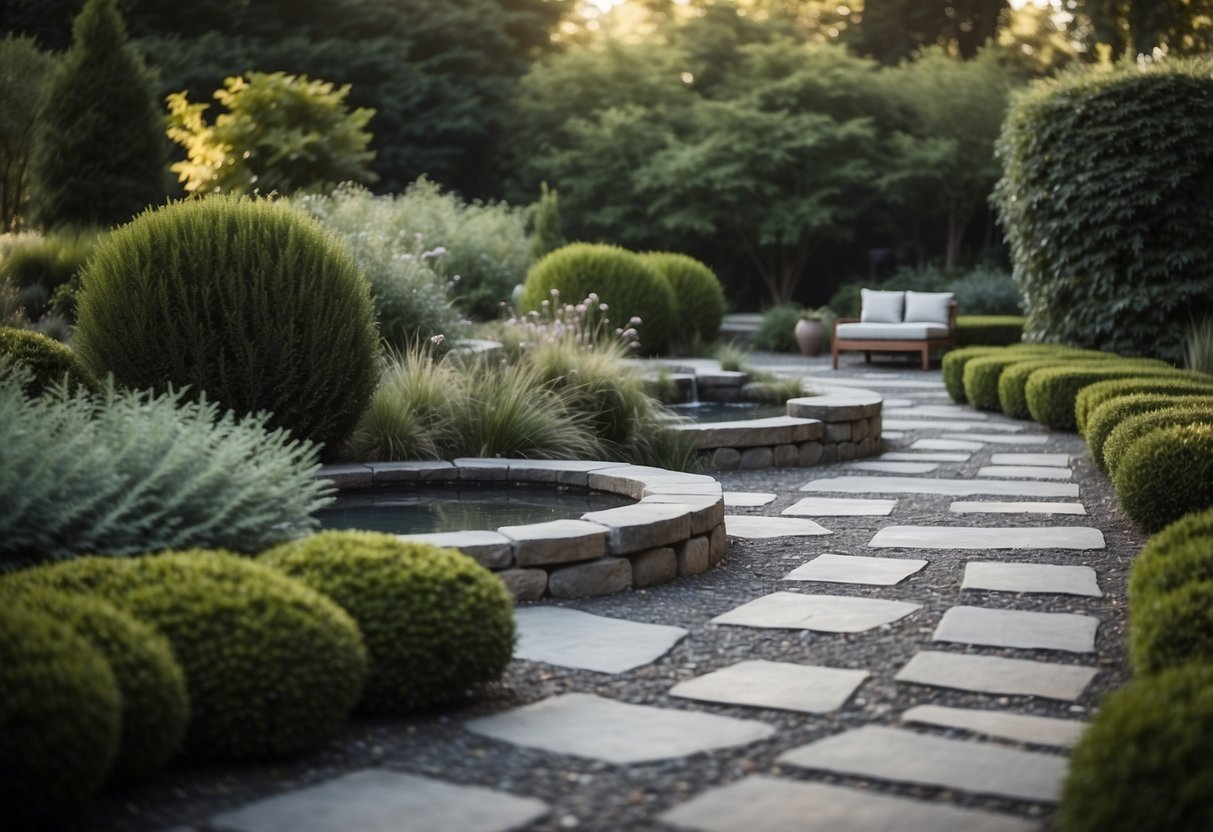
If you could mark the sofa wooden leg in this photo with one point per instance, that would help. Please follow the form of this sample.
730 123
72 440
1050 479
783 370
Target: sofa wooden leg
867 357
926 358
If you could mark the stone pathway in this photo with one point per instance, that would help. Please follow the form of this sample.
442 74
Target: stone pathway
921 660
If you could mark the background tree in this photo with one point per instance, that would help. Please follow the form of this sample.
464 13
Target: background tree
99 143
1180 27
548 234
893 30
24 73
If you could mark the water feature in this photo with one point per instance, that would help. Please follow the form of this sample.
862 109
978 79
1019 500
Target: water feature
728 412
459 508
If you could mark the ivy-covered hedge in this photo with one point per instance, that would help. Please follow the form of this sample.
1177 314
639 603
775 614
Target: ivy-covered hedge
1105 203
1093 395
1166 474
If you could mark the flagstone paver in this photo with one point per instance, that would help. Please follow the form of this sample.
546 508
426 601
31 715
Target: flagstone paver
905 756
782 685
1055 460
857 484
993 507
767 804
1031 577
934 411
759 528
570 638
980 537
1018 628
590 726
946 445
1018 439
890 402
1038 730
948 424
376 800
836 507
922 456
823 613
995 674
847 569
892 434
895 467
1031 472
744 499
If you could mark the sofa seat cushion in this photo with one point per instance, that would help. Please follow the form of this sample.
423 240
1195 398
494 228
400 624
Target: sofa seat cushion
890 332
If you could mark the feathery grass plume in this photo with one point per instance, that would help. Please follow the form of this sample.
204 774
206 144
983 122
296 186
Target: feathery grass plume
409 415
1198 346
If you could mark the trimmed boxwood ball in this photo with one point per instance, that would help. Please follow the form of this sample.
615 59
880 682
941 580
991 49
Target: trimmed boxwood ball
60 716
48 361
436 623
1093 395
1158 570
272 667
953 365
246 301
698 296
155 707
1012 384
980 378
1051 392
622 279
1143 765
1126 434
1166 474
1104 419
1169 629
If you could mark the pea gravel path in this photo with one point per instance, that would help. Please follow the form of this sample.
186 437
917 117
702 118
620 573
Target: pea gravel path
787 775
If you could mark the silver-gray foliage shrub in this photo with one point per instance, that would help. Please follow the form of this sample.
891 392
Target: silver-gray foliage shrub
124 473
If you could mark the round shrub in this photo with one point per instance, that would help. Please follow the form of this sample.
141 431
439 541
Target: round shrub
59 718
155 707
48 361
1166 474
436 623
1143 765
272 667
1172 628
1051 392
989 330
1093 395
1012 384
246 301
1104 419
954 361
1126 434
1158 570
698 296
981 375
777 329
622 279
1101 263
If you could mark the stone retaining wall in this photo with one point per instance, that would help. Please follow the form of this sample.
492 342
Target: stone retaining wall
676 527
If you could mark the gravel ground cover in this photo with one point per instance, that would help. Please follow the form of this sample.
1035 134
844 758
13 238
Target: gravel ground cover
593 795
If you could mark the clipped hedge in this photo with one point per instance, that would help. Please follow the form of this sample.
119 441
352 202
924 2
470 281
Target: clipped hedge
49 362
1143 765
989 330
60 718
272 667
246 301
1166 474
1130 430
1013 383
436 623
698 296
1105 203
981 374
622 279
1050 393
1093 395
154 704
1112 412
953 366
1172 628
1159 570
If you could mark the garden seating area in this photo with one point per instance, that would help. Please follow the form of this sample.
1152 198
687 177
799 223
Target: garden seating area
892 321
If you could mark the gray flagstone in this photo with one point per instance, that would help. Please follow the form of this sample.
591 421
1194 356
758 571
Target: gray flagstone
1038 730
1031 472
948 424
993 507
754 527
1054 460
857 484
835 507
946 445
994 674
1031 577
977 537
1018 439
894 467
922 456
570 638
763 684
747 499
1018 628
846 569
823 613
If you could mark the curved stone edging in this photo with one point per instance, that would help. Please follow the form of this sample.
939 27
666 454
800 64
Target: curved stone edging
676 527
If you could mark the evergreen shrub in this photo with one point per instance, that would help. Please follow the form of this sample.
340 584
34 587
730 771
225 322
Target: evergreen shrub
1104 201
698 296
436 623
43 266
1131 429
981 376
1093 395
989 330
1013 382
1050 393
59 719
49 363
272 667
1166 474
622 279
1107 416
154 704
1160 569
245 301
1169 629
1143 765
954 361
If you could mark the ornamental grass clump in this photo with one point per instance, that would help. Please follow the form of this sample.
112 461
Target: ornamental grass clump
244 301
437 625
1166 474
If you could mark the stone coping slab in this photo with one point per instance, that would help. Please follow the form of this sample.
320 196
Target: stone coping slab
490 549
995 507
907 757
839 507
1037 730
1027 472
1031 577
377 800
821 613
753 433
1020 629
836 405
977 537
1051 460
556 541
997 675
857 484
848 569
781 685
584 725
767 804
570 638
755 527
643 525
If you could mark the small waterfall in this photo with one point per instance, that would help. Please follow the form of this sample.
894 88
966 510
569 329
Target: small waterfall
694 399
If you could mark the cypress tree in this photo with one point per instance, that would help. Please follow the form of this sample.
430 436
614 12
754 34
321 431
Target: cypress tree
99 148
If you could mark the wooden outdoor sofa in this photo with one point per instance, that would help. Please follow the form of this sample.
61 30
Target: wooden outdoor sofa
898 322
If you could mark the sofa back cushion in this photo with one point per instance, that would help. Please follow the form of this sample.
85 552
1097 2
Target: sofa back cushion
881 307
928 307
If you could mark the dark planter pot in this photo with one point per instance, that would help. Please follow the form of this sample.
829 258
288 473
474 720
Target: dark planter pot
810 335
